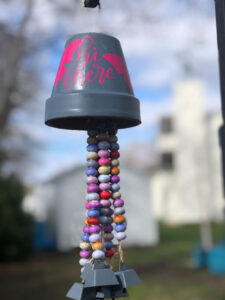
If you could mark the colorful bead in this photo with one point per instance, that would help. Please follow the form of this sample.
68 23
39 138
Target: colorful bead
92 188
92 180
97 246
115 163
83 261
105 195
106 212
86 221
104 170
115 171
93 213
113 139
114 154
98 254
118 203
92 155
105 203
85 254
86 229
104 178
92 148
105 220
108 245
104 186
91 171
94 204
120 236
104 145
103 161
109 253
114 146
119 211
115 179
108 237
92 196
103 137
120 227
92 140
94 229
119 219
107 228
85 246
92 132
103 153
95 237
85 237
93 221
92 163
116 195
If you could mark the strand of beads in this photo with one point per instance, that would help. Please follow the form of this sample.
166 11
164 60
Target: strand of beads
92 228
106 211
118 203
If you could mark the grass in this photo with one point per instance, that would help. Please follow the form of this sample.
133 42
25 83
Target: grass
165 270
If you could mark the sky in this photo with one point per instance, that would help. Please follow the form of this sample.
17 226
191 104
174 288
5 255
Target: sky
163 41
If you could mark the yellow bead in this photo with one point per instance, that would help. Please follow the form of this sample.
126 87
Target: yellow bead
104 170
116 195
97 246
85 246
92 155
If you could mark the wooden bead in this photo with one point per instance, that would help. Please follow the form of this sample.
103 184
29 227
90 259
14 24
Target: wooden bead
119 219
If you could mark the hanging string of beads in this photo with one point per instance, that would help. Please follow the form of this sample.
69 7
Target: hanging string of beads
118 203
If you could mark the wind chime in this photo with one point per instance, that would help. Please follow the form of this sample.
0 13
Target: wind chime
93 92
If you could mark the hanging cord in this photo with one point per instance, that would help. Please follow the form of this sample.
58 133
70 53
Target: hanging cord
91 3
120 250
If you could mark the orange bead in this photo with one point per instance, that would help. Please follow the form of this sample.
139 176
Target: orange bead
93 221
97 246
86 221
119 219
115 171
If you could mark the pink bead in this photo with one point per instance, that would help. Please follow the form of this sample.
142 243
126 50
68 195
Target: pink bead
85 254
91 180
92 188
104 161
87 206
103 153
86 229
94 228
118 203
104 186
105 203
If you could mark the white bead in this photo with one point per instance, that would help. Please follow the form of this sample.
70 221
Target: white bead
83 261
120 236
81 270
95 237
98 254
85 246
119 211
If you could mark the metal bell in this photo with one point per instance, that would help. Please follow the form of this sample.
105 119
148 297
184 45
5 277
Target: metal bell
92 87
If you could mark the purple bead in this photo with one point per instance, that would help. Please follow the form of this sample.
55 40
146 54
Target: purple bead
103 153
94 228
107 228
118 211
91 163
91 180
86 229
106 212
104 186
92 188
85 254
92 148
115 179
108 245
94 204
92 172
118 203
85 237
105 203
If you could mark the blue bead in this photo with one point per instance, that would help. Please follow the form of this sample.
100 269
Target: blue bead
108 245
104 145
104 178
93 213
114 146
91 171
92 148
91 163
115 187
120 227
85 237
